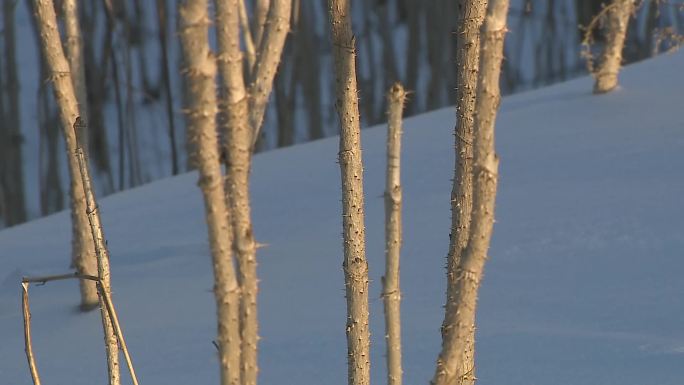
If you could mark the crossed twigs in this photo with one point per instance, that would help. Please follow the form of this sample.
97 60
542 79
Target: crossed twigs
105 300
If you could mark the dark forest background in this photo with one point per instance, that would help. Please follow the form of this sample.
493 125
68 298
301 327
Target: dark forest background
135 91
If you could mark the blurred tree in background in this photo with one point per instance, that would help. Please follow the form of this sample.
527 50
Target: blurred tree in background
135 89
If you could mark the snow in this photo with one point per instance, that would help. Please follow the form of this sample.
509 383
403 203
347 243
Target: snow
583 285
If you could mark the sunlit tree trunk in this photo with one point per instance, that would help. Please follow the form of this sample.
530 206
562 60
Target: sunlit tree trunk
471 14
353 227
68 108
51 194
74 54
617 19
238 138
201 109
259 20
459 325
391 292
84 261
268 56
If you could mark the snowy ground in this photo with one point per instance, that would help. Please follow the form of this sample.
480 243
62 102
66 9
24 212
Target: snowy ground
583 285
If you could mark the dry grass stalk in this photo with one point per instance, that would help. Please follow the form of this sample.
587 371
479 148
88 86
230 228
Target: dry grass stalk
28 346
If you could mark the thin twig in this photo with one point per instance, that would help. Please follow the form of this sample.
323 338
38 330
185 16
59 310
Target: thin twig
117 327
45 279
27 334
111 313
102 254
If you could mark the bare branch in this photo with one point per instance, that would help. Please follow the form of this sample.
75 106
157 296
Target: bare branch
393 233
103 271
238 142
260 12
351 167
455 364
83 255
28 347
201 108
114 318
267 60
42 280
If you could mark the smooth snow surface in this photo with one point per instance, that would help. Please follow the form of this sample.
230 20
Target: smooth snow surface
584 284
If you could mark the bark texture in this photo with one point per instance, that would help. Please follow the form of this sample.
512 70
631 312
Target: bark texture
355 263
617 19
459 327
74 53
238 140
259 22
201 109
393 232
270 48
471 14
84 260
103 271
82 249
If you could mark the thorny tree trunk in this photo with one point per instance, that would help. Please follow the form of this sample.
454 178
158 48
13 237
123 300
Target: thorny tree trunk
82 247
51 195
617 19
74 54
100 244
267 60
391 290
459 324
238 149
66 99
355 263
13 176
470 15
200 70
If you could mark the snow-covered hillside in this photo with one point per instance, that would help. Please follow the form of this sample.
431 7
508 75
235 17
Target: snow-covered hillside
583 286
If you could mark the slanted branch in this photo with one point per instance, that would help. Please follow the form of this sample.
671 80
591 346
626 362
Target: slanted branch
109 310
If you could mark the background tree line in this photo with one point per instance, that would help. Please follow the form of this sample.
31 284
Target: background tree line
135 92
